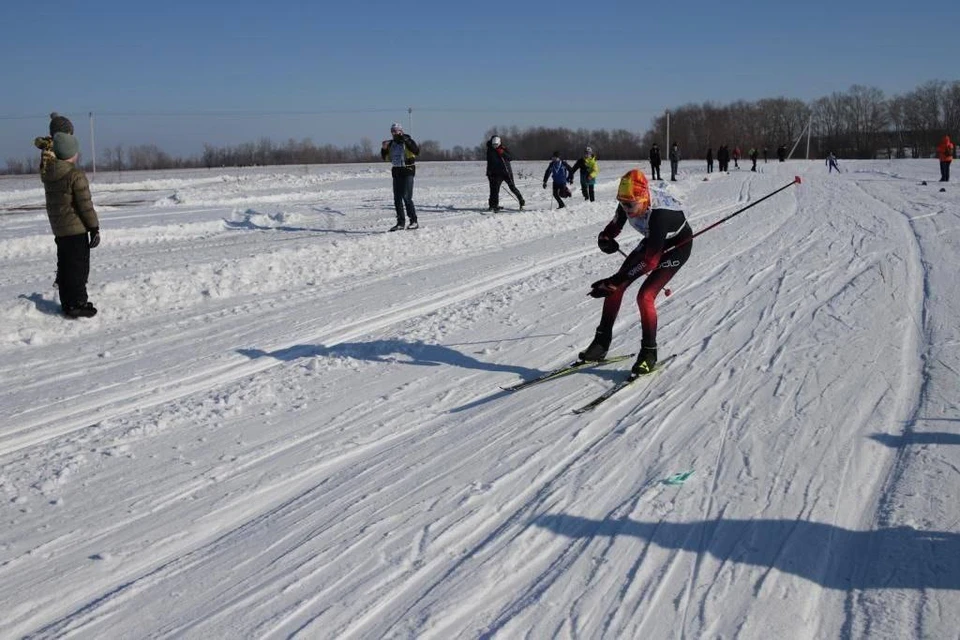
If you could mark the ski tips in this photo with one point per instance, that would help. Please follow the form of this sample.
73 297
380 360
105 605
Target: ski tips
797 180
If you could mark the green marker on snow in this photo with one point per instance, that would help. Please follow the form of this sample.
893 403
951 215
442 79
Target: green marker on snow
678 478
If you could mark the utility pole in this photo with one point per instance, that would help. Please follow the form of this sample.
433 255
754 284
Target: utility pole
667 148
410 118
93 147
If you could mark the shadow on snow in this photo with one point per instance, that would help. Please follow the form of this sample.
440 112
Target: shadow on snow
833 557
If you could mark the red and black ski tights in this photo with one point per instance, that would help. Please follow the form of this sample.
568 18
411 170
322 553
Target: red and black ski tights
655 281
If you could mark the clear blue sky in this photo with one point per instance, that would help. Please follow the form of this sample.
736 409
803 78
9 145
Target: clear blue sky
462 66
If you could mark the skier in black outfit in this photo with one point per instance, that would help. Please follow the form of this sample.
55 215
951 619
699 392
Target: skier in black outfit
402 152
655 162
663 251
674 161
499 172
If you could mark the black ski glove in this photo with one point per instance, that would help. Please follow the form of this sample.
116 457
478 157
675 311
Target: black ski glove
94 237
544 185
603 288
607 244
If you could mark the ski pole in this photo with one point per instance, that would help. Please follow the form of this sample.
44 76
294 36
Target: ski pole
796 180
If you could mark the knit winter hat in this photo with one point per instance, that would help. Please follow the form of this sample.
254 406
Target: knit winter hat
495 141
60 123
65 145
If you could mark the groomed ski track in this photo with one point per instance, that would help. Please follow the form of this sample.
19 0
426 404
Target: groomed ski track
288 423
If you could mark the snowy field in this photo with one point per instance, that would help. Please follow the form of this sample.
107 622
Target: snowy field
286 422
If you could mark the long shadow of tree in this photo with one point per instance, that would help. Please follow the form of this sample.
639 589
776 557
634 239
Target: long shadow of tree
416 353
915 438
833 557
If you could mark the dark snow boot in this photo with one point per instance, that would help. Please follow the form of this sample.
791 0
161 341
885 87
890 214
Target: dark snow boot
646 361
598 348
85 310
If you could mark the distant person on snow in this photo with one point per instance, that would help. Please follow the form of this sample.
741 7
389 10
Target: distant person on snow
500 171
402 153
709 159
562 174
674 161
736 157
782 153
661 254
945 152
655 162
74 223
832 163
588 168
723 158
753 158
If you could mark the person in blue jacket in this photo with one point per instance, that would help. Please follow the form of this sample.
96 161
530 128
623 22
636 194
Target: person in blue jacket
562 176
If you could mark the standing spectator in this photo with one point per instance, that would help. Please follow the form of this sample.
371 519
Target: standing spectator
655 162
402 152
562 174
723 158
832 163
753 158
945 152
709 159
587 165
674 161
500 171
764 155
736 157
74 223
782 153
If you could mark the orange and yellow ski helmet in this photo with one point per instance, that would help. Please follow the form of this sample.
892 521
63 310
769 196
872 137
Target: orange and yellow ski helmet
634 190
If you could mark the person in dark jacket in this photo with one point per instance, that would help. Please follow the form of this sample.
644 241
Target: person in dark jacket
723 158
562 174
674 161
753 158
655 162
74 223
664 250
709 159
589 170
402 153
500 171
782 153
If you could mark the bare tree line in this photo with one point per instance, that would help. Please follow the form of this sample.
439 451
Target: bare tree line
858 123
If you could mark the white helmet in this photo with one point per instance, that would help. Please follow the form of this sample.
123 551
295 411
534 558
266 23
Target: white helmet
588 151
396 127
495 141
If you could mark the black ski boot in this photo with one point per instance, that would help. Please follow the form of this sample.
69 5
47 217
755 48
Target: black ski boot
597 350
646 361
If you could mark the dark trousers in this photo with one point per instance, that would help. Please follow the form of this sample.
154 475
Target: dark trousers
403 195
944 171
586 189
495 182
709 166
73 269
646 297
674 166
655 171
754 167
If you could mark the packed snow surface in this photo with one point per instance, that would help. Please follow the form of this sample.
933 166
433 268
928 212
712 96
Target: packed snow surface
286 422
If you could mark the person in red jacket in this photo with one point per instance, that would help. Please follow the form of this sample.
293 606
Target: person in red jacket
945 152
660 255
